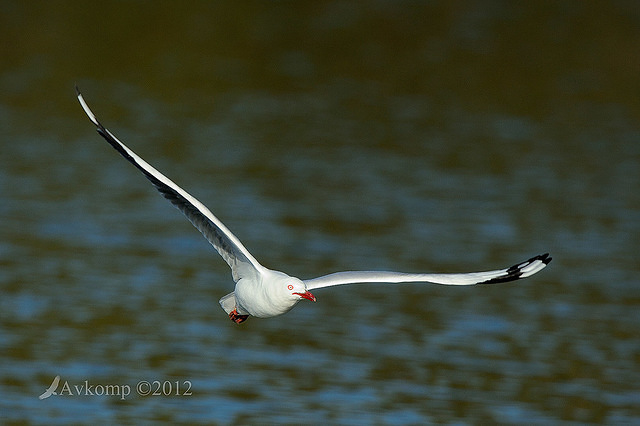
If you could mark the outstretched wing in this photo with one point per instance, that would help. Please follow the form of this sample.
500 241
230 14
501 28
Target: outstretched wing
515 272
242 263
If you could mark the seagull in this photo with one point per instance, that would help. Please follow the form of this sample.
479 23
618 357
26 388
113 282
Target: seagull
264 293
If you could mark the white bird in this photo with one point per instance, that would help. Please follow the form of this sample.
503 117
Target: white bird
263 292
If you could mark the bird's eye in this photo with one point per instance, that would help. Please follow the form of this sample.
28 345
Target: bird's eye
290 287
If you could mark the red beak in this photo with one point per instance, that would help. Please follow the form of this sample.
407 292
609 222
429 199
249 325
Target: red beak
307 295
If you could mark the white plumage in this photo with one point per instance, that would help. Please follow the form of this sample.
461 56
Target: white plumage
263 292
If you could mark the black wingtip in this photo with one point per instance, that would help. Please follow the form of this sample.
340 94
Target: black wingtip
515 272
545 258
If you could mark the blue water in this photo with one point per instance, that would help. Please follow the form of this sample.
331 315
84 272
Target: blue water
326 136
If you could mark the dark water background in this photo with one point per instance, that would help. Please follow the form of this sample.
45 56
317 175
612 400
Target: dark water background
414 136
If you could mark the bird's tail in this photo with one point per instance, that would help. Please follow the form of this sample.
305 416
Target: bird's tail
228 302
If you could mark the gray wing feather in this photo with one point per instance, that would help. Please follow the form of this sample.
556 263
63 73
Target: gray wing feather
515 272
242 263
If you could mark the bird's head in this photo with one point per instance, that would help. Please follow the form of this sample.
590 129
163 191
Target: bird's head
297 290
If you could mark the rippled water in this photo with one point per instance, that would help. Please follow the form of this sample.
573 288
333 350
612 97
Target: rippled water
327 136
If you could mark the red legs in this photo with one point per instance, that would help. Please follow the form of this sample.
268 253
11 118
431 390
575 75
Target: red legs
236 317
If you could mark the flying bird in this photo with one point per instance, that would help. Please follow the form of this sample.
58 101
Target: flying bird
264 293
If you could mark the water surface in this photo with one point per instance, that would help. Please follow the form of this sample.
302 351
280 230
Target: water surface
327 136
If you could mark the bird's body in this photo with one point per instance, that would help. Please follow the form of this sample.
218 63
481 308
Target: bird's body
264 293
269 295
